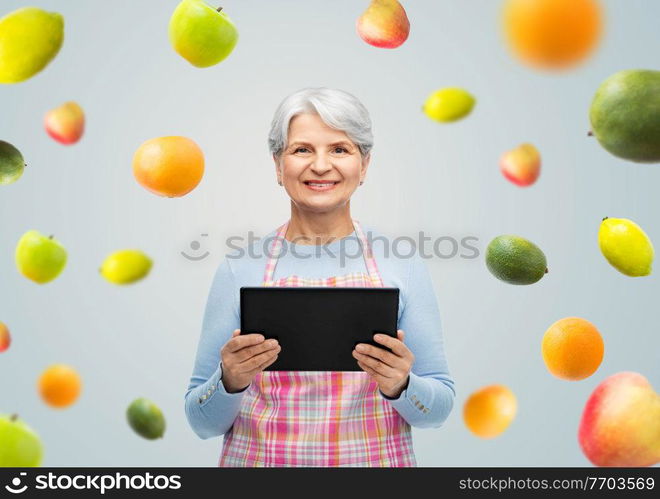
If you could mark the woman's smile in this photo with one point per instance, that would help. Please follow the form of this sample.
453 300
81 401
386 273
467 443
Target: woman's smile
321 185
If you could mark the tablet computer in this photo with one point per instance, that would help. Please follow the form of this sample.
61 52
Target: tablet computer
318 327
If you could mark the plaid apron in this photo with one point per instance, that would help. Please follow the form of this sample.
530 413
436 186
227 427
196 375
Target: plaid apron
317 418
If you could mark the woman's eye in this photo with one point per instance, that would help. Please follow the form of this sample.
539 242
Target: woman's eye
301 149
340 150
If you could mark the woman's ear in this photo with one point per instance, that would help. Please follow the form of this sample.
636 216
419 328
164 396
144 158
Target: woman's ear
277 168
365 163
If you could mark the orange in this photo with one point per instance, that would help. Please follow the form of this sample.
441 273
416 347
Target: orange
572 348
59 385
169 166
490 410
552 34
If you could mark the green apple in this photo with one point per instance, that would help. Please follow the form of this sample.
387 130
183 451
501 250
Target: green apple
40 258
20 446
202 35
11 163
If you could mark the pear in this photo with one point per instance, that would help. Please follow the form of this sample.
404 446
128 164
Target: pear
40 258
11 163
202 35
384 24
29 39
126 266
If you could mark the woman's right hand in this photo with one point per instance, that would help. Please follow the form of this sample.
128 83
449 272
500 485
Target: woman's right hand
243 357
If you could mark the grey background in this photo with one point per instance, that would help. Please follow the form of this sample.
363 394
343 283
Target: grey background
442 179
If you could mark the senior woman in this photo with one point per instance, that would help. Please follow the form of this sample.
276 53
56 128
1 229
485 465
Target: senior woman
321 141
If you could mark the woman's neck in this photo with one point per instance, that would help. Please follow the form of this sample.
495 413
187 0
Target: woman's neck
318 228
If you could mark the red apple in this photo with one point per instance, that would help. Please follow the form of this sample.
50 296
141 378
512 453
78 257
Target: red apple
5 337
66 123
620 424
521 165
384 24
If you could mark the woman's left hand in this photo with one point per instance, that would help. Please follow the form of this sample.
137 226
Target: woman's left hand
389 370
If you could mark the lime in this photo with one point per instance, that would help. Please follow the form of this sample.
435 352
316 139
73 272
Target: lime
515 260
146 419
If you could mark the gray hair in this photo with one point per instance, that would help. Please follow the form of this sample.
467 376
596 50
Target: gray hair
337 108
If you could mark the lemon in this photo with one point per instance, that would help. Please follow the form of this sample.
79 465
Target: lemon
29 39
126 266
448 104
626 246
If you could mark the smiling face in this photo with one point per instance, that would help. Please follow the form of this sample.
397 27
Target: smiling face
320 166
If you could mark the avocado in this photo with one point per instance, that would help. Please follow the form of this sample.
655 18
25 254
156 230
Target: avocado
515 260
625 115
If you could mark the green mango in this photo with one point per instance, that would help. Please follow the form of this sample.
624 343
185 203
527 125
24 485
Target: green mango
29 39
11 163
625 115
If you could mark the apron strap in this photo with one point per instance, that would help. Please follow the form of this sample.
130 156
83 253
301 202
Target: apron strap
274 251
275 248
369 259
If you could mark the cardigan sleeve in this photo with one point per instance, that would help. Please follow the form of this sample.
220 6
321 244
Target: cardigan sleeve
429 397
210 410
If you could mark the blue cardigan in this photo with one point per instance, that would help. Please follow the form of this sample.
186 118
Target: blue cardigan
429 396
